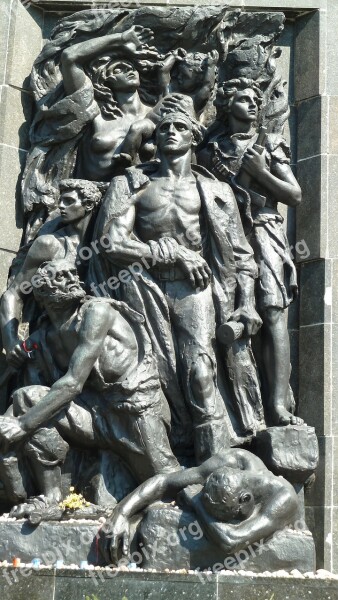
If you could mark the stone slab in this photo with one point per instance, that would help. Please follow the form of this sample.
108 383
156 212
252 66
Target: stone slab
23 584
288 5
72 585
12 163
170 536
5 15
69 541
25 42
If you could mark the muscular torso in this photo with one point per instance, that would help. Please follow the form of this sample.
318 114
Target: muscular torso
119 353
170 208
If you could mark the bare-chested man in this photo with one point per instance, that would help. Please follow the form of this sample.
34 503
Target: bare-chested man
187 227
99 387
236 499
77 202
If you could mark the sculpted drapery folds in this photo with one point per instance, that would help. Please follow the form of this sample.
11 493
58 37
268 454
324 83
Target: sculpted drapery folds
155 253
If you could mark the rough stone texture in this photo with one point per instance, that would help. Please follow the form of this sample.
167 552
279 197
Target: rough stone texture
24 43
11 163
20 42
71 542
19 104
21 584
290 451
4 29
170 535
312 212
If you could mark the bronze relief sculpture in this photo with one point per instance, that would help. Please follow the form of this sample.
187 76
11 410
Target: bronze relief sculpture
154 276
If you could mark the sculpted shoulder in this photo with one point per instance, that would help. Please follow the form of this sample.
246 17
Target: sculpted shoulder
45 247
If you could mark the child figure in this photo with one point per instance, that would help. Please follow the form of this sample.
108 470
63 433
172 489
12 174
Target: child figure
186 81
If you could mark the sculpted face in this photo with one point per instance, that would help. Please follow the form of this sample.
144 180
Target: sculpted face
244 106
71 207
187 78
174 135
58 282
122 77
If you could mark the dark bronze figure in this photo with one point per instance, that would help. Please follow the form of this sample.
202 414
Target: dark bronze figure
145 315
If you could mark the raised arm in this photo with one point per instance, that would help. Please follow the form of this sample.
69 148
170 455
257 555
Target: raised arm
203 94
75 57
96 322
42 249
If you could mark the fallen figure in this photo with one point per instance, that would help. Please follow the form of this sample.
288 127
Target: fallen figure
238 501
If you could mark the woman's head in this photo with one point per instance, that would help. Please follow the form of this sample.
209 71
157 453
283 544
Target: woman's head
110 76
241 98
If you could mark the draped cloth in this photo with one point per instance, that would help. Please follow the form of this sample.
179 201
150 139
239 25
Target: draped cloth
230 259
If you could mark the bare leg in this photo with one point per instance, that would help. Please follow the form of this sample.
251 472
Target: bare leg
276 362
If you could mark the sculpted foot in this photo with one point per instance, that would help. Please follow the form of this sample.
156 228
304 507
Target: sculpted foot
279 416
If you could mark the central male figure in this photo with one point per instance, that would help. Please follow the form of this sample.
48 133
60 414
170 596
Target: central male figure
185 227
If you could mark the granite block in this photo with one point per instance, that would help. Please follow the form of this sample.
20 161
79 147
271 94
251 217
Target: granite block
276 590
5 15
312 130
331 48
318 520
333 124
15 117
334 539
25 42
334 282
50 541
314 377
319 492
307 62
332 224
315 293
18 584
335 469
11 165
120 586
334 359
311 215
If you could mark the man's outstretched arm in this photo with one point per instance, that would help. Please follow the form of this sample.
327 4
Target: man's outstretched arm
96 322
155 488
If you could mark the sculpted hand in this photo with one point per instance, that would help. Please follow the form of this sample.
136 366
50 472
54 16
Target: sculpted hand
254 163
119 532
249 317
171 102
11 432
213 57
16 356
136 40
193 265
219 168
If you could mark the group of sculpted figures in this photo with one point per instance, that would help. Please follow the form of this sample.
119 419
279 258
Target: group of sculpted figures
129 348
